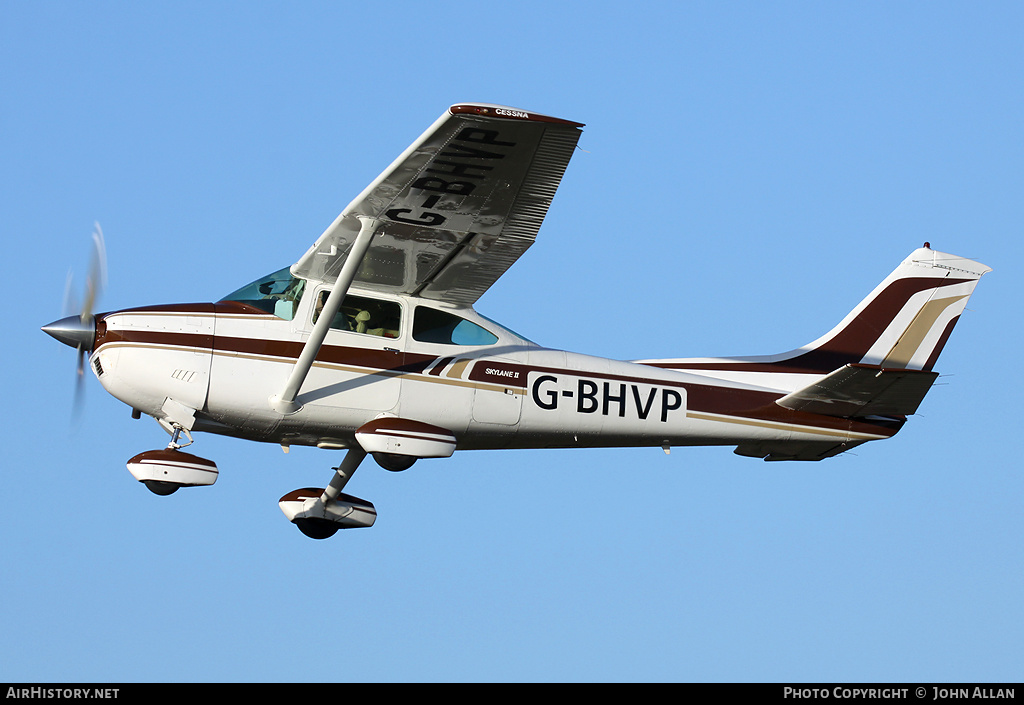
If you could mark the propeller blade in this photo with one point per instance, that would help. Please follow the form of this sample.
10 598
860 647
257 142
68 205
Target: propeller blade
76 404
70 300
79 329
97 280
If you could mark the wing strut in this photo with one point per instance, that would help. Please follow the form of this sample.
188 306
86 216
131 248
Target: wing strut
284 402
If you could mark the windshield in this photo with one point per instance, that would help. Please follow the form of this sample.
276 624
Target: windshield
276 293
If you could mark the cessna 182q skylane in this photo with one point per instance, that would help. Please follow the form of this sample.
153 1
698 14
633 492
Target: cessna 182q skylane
370 343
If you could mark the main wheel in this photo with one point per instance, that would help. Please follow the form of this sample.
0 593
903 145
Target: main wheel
393 462
317 528
161 488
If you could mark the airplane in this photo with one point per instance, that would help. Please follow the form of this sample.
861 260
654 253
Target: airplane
370 344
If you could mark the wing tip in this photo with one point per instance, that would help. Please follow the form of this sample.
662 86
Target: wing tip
490 110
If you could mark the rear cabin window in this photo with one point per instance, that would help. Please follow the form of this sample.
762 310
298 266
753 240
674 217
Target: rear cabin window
359 314
432 326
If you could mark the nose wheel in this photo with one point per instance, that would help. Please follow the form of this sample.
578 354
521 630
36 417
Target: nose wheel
164 471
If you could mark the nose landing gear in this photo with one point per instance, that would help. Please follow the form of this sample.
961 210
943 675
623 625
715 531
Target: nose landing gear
164 471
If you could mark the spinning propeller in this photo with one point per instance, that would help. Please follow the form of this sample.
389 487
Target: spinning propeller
79 330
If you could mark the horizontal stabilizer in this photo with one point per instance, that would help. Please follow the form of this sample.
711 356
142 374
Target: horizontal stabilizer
794 450
857 390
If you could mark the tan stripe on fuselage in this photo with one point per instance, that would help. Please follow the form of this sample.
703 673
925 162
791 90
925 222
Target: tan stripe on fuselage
453 377
457 369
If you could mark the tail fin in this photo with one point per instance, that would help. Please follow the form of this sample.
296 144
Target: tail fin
903 324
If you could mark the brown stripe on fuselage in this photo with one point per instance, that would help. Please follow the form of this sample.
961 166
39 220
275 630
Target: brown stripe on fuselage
384 360
441 364
711 399
192 341
706 398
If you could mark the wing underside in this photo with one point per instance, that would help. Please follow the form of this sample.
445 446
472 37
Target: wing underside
457 208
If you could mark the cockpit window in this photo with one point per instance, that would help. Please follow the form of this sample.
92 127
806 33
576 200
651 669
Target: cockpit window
432 326
276 293
359 314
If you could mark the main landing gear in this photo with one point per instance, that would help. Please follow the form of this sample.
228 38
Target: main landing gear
319 514
395 444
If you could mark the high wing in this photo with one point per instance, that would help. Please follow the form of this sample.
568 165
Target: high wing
456 209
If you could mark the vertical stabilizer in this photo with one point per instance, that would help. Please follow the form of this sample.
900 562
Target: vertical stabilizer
902 325
905 322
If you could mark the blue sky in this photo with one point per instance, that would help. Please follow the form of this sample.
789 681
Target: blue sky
749 171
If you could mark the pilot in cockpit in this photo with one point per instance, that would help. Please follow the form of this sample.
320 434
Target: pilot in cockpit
362 315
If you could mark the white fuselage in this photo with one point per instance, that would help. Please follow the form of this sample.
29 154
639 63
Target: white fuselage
215 367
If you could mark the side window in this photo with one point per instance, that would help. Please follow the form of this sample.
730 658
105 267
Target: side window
359 314
432 326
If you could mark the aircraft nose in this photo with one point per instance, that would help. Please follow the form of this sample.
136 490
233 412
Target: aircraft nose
74 331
